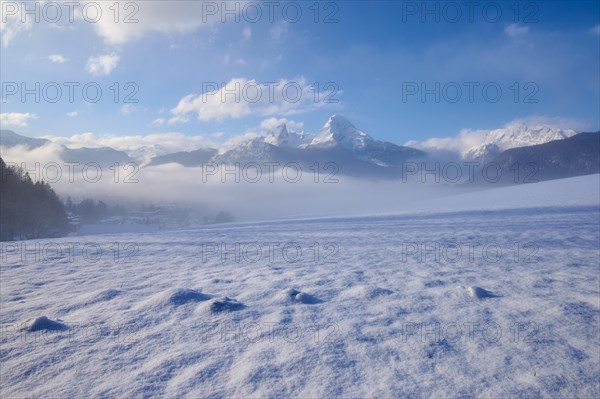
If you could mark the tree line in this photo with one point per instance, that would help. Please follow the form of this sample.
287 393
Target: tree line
31 210
28 209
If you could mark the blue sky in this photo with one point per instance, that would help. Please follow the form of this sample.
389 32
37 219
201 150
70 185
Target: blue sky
376 56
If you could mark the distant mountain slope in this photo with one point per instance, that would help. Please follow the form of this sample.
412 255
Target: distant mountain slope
341 148
104 156
8 138
573 156
185 158
514 135
484 145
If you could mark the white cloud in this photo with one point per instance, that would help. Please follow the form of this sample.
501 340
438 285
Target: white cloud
463 141
72 114
247 33
177 16
102 64
163 142
241 97
16 119
133 21
595 30
57 58
211 106
516 30
22 154
10 22
128 109
272 123
240 61
178 119
158 122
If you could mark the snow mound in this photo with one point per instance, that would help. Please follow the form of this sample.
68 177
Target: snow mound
366 292
44 323
479 293
226 304
179 296
295 296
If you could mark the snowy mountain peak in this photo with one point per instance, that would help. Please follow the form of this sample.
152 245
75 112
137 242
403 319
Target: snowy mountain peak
521 134
282 137
338 131
514 135
338 122
278 135
280 130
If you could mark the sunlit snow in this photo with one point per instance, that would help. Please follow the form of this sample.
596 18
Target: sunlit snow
467 302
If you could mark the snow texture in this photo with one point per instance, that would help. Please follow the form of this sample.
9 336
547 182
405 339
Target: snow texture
375 314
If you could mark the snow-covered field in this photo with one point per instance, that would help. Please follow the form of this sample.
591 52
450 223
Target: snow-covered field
483 303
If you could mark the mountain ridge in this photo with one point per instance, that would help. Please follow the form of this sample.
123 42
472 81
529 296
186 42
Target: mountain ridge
354 152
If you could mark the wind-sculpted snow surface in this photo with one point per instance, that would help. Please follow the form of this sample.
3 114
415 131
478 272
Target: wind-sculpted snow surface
484 303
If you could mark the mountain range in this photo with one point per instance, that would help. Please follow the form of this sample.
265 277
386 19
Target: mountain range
353 151
558 152
514 135
104 156
483 146
574 156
